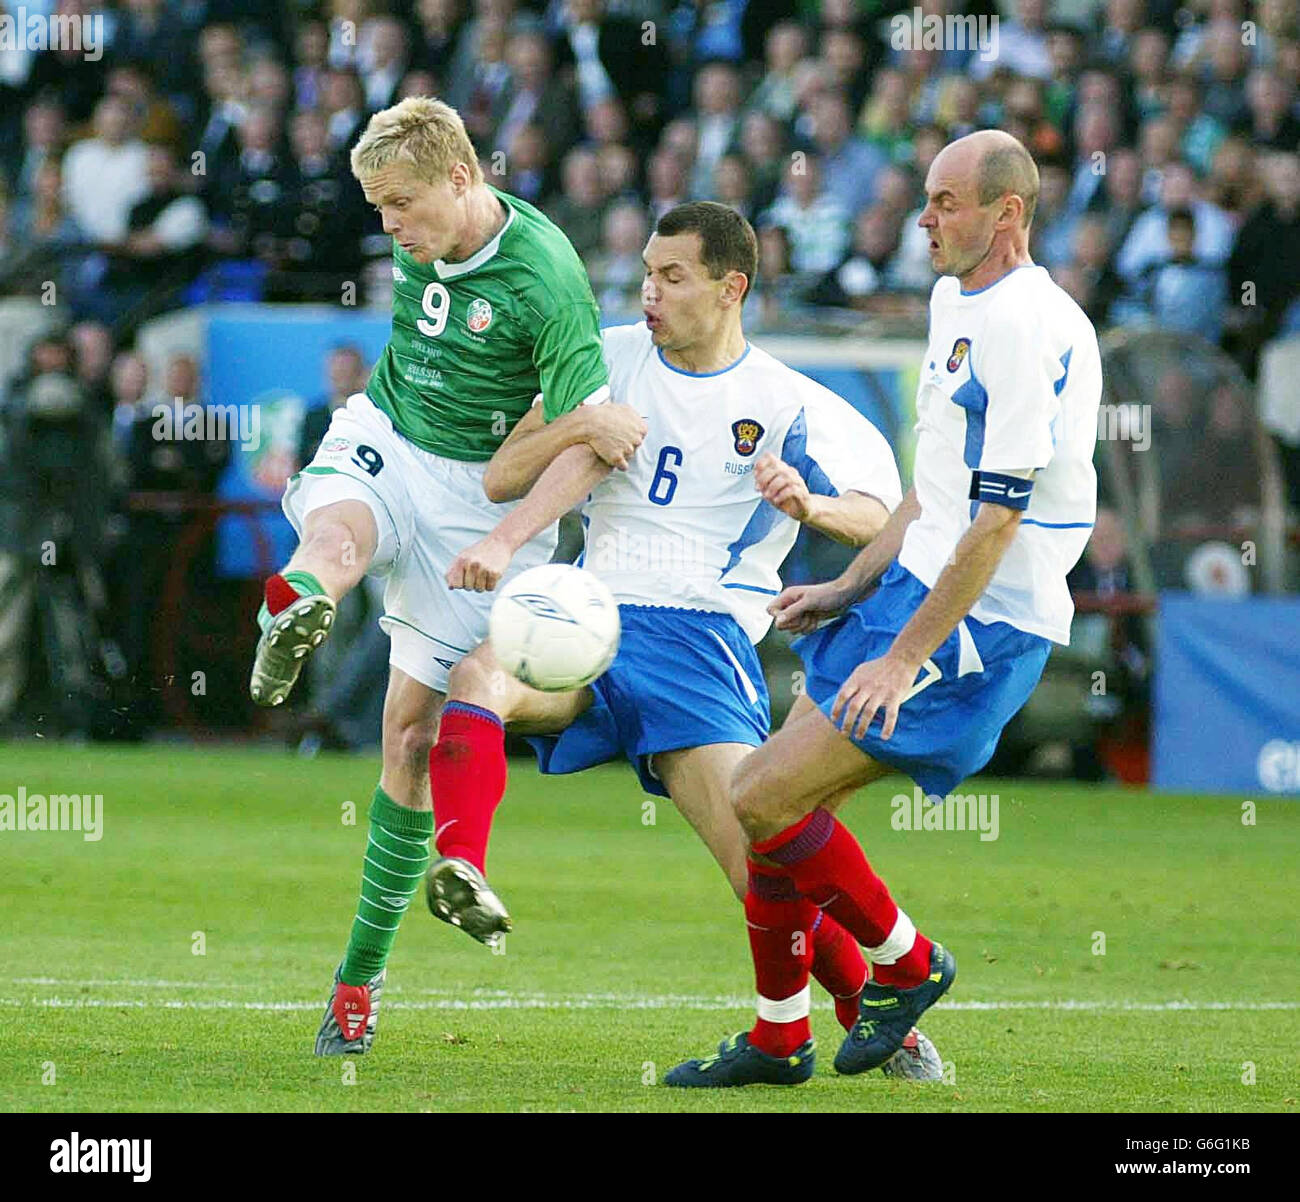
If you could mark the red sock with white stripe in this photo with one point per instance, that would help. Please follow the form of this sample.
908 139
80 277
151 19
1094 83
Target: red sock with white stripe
780 940
828 867
467 777
838 967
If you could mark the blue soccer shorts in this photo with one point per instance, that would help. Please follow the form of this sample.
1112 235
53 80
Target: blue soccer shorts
971 687
682 678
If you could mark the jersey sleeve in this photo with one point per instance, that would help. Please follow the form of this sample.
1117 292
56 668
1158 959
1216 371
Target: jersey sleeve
837 450
570 365
1021 377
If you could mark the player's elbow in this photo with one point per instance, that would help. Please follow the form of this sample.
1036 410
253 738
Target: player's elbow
498 484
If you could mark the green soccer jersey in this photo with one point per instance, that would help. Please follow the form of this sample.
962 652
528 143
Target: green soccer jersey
474 342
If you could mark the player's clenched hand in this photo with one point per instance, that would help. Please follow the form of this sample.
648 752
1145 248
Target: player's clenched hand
782 486
481 566
616 431
878 684
803 607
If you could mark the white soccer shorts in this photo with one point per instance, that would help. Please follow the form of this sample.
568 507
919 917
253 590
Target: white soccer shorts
427 510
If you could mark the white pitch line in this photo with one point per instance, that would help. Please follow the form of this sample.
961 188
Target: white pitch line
501 1001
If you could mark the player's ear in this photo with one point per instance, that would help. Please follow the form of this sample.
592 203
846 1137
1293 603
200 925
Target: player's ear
734 284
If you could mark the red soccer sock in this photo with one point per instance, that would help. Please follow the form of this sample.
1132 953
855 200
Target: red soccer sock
828 867
838 966
780 940
280 594
467 777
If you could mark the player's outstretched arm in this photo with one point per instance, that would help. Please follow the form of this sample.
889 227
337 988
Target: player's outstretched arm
801 608
612 431
883 683
573 474
852 517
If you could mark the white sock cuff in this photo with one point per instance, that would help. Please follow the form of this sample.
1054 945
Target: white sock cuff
897 945
787 1010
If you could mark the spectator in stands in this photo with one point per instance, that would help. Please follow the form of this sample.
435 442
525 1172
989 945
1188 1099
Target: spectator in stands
1264 266
343 102
248 201
418 82
152 119
92 346
222 113
345 374
958 109
1197 132
1054 220
605 124
612 60
1183 293
731 184
1157 150
528 164
1096 135
886 120
384 61
326 206
149 32
849 165
1271 121
1148 61
1025 117
785 47
618 169
1234 184
269 83
533 94
816 223
43 139
440 24
1224 100
1120 199
762 143
1097 285
1022 45
479 71
616 269
310 48
717 103
866 269
103 176
160 252
45 240
665 182
579 210
1120 25
841 65
1148 241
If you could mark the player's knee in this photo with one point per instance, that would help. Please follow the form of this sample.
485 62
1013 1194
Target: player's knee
746 799
407 743
346 537
474 680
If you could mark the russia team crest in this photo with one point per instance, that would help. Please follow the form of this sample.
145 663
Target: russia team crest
746 432
960 349
479 316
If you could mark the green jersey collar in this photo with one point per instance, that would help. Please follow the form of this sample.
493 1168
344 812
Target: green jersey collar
449 271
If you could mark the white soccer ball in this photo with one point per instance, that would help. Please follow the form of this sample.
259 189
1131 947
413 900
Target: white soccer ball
555 627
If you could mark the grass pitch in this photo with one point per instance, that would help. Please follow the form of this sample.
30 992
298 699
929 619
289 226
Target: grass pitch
629 952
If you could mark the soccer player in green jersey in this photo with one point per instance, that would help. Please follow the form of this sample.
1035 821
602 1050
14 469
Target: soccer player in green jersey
491 306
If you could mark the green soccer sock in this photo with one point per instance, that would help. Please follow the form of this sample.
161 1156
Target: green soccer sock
397 853
302 583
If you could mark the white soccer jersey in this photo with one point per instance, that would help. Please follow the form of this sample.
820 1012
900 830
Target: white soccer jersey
684 526
1011 382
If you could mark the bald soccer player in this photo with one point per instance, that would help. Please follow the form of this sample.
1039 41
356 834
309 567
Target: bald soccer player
941 626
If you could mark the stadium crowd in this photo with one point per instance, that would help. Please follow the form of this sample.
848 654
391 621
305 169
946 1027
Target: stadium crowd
203 155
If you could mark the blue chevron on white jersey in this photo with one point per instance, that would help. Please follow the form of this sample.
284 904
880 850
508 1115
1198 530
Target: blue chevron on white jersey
1010 384
684 527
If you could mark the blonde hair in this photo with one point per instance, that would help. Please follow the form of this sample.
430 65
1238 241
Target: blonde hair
423 133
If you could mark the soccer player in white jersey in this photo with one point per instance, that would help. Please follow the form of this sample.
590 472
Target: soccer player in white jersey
739 451
943 623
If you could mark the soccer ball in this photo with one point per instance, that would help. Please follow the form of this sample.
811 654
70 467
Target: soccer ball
555 627
917 1060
